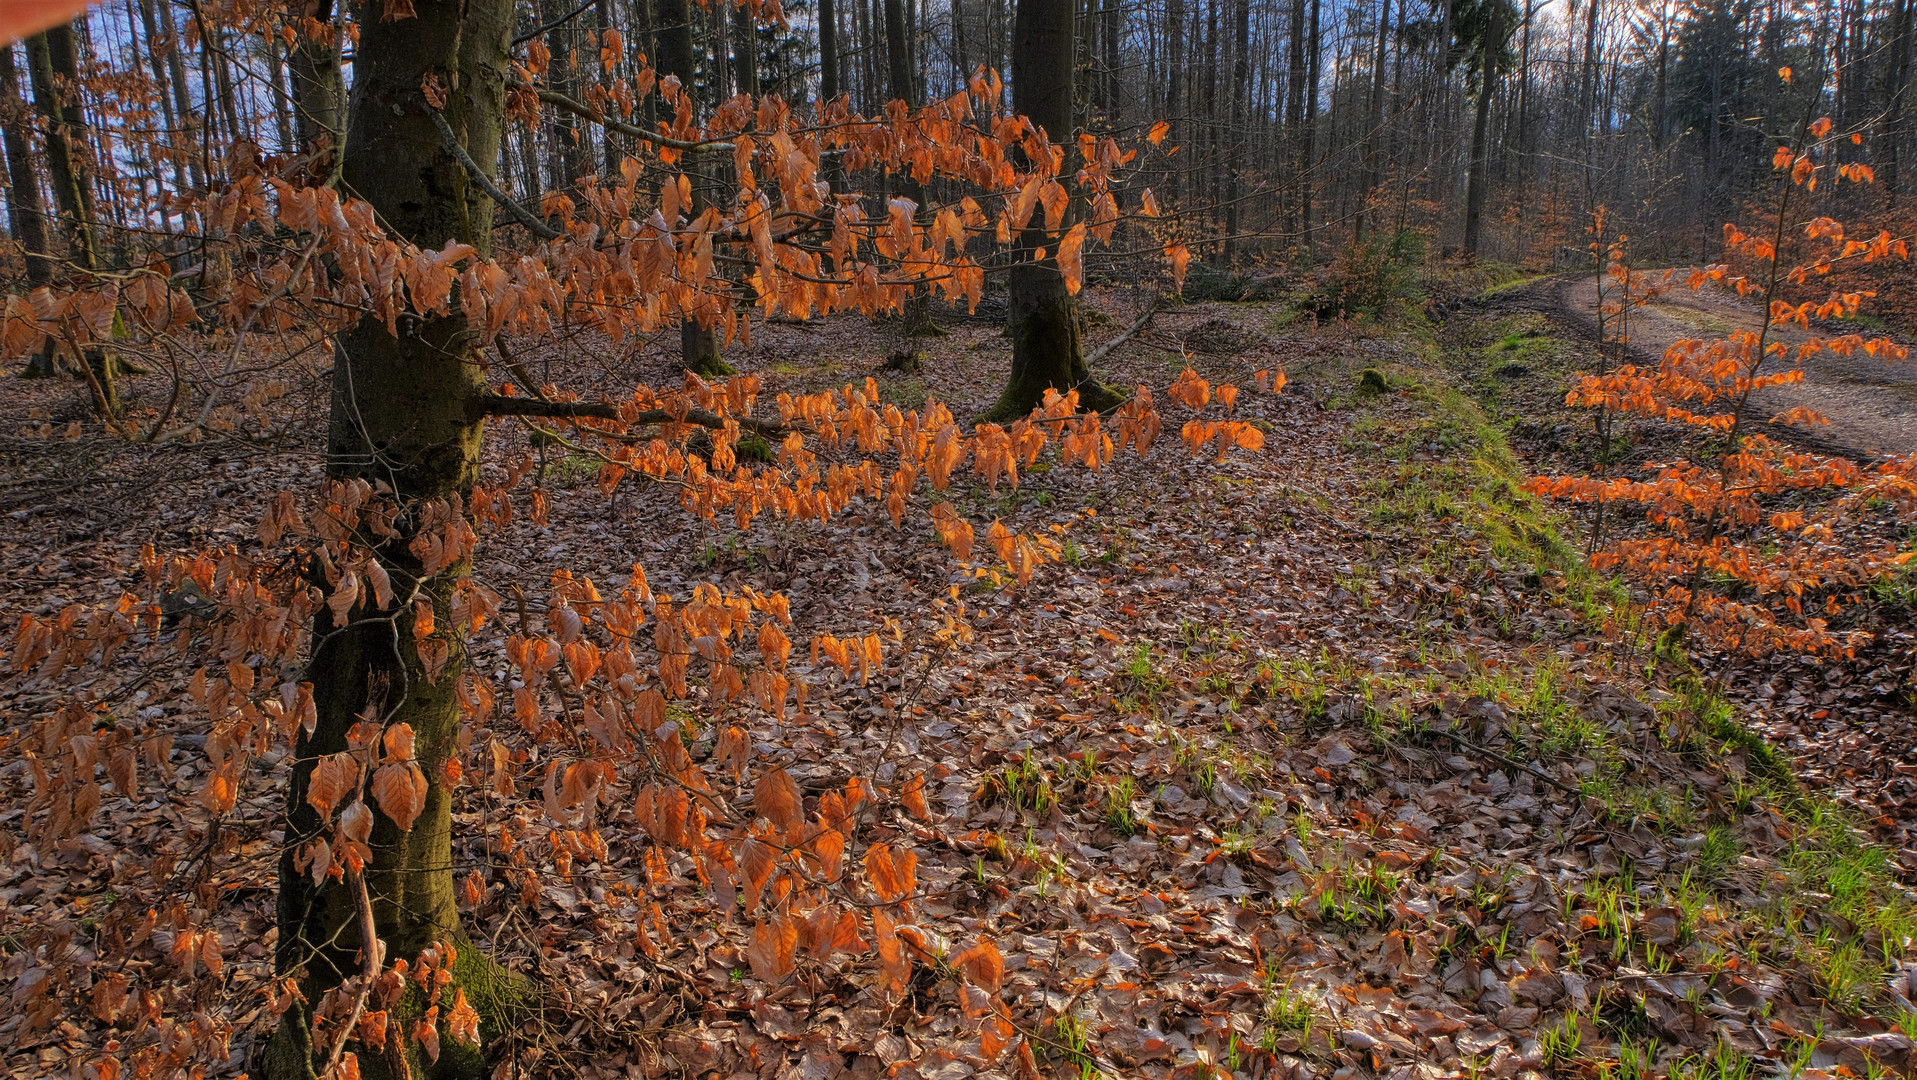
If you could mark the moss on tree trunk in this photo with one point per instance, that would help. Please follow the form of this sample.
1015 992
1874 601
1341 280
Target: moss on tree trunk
402 415
699 350
1048 348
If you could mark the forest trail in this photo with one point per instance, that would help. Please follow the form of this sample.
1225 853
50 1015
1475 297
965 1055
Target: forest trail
1871 404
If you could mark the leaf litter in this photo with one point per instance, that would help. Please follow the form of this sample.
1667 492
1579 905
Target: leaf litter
1319 760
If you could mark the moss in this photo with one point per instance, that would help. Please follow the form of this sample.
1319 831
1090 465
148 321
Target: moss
754 448
502 999
1372 381
699 350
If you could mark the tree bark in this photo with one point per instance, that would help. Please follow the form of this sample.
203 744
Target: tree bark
1480 136
1308 135
898 53
745 52
608 67
1240 87
566 158
26 211
829 89
1897 83
698 345
319 93
1043 319
1295 112
1174 87
401 416
176 70
53 66
1374 121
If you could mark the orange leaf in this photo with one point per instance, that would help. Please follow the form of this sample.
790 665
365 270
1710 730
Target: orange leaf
913 796
399 743
770 953
426 1034
895 967
400 791
463 1022
776 798
332 777
1069 261
982 964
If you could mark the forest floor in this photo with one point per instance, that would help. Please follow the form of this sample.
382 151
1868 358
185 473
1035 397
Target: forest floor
1325 760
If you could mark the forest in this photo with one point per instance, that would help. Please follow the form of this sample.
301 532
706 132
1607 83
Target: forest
922 539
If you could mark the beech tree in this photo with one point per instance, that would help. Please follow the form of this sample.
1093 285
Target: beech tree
342 640
408 414
1727 557
1048 351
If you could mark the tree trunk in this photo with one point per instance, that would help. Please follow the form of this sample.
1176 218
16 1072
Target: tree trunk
1374 121
401 415
53 65
608 67
1174 85
163 82
1480 137
1240 84
917 316
829 89
898 53
1043 319
26 212
1295 112
1308 134
745 51
960 53
1110 38
565 155
319 93
862 51
213 39
176 71
698 345
1897 83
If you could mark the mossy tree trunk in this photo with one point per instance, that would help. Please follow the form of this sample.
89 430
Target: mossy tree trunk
403 413
1043 319
1491 53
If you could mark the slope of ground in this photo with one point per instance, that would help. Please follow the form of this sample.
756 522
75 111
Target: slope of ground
1325 760
1849 726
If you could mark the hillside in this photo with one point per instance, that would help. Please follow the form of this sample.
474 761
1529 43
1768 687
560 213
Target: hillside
1325 759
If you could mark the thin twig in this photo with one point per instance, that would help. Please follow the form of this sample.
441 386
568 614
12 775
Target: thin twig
478 176
1151 311
372 959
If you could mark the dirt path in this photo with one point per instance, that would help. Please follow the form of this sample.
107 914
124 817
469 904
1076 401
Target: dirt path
1871 404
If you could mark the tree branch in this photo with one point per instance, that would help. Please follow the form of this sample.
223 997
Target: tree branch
1106 349
478 176
372 962
500 405
554 97
553 25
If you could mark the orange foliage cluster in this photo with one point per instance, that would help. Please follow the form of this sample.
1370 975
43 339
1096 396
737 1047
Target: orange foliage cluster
635 252
1757 546
615 662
